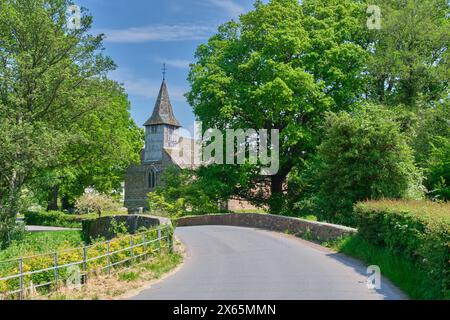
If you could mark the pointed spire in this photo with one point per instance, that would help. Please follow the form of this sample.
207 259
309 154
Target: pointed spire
164 72
163 112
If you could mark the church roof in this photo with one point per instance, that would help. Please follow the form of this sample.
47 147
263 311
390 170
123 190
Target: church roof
163 112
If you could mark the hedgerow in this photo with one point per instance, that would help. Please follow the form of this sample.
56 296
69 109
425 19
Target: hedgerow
61 219
53 219
416 230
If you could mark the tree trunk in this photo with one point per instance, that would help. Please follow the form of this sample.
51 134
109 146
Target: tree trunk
276 185
380 88
276 201
53 199
13 197
9 204
65 203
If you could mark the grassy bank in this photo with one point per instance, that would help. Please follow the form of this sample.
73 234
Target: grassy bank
415 230
42 242
122 284
42 248
405 274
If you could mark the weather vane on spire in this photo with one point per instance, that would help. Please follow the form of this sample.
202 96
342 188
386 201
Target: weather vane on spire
164 71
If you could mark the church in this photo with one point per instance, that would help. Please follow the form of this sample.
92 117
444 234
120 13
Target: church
163 146
161 141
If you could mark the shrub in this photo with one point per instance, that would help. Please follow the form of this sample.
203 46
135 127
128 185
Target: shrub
181 194
129 276
10 230
438 171
363 156
158 205
62 219
52 219
94 202
416 230
432 149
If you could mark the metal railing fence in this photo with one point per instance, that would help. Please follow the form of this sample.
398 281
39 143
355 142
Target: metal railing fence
24 276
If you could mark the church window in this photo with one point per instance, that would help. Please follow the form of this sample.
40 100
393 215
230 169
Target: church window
152 178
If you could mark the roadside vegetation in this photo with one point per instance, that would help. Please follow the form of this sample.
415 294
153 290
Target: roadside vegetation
64 125
405 274
42 252
63 219
41 242
408 240
124 282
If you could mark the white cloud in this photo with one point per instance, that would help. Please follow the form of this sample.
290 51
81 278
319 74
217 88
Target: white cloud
157 33
175 63
229 6
144 87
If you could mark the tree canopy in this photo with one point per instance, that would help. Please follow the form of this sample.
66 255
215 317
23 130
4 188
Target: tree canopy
60 118
282 66
287 64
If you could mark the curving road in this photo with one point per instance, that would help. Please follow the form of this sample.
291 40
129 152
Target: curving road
229 263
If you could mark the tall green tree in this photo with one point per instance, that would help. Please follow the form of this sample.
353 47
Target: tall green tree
104 143
281 66
45 73
431 143
409 54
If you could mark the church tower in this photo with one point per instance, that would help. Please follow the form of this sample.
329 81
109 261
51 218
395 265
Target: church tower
160 128
161 143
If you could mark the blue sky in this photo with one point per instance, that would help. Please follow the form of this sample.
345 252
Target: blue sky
142 34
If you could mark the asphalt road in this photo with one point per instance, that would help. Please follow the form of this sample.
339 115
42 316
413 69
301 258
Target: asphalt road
229 263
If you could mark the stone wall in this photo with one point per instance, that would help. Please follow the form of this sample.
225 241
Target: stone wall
136 184
307 229
102 227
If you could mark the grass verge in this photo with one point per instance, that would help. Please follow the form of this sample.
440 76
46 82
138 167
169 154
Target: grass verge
405 274
123 282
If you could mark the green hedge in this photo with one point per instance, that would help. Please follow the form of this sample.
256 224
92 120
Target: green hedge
62 219
53 219
415 230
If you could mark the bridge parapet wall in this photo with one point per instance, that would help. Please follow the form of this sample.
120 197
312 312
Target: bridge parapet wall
312 230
